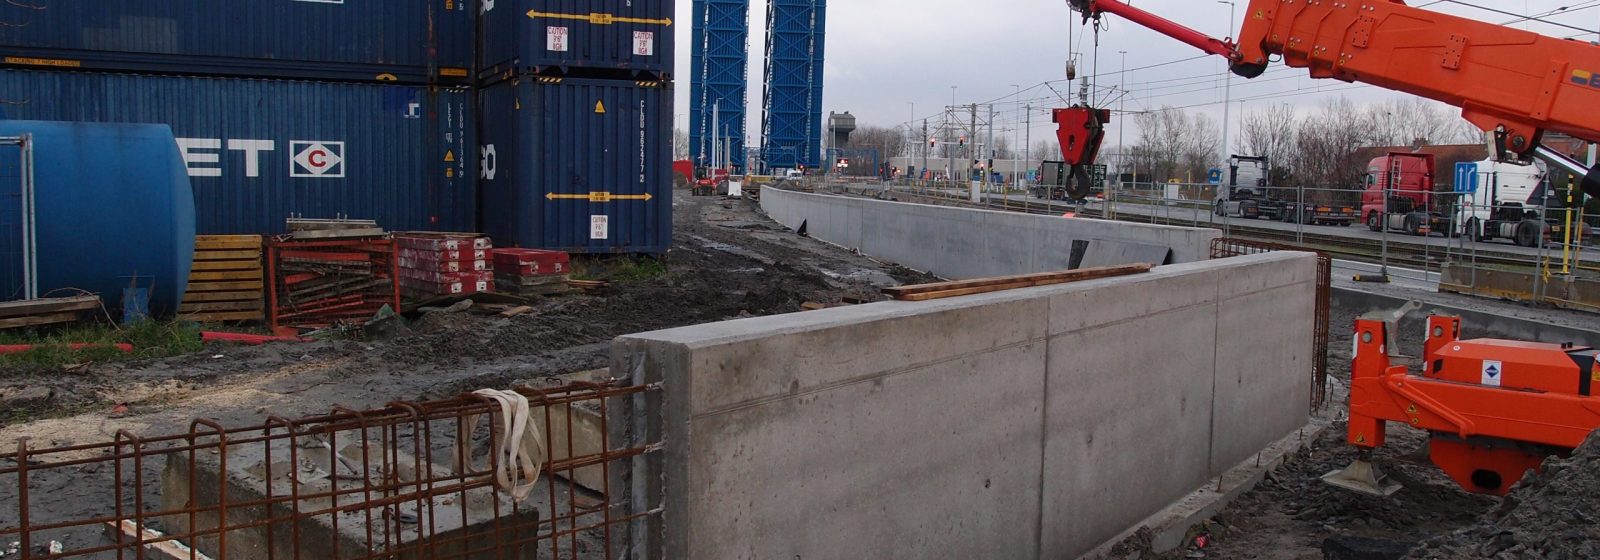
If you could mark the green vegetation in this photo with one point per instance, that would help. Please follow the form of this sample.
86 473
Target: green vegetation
150 339
619 269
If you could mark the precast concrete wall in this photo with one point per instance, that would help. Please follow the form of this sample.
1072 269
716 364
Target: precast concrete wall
1033 423
963 243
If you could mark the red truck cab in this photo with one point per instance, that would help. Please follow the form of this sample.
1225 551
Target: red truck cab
1406 179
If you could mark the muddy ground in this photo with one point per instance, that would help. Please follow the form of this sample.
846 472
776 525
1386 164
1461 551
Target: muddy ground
1293 515
727 261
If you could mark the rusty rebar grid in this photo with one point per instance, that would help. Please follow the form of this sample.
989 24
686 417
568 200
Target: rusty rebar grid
387 466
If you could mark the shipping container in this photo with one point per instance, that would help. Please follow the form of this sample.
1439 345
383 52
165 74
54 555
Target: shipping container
573 38
409 41
111 208
260 151
578 165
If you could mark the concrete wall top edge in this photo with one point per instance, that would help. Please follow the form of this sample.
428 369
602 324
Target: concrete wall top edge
740 330
766 191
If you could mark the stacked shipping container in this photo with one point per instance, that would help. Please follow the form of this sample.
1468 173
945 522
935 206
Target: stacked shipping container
577 125
370 110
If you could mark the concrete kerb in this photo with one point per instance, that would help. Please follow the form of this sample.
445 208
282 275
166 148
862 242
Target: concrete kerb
1475 323
1173 527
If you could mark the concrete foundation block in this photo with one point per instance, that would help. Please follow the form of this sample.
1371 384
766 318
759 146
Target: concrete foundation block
449 525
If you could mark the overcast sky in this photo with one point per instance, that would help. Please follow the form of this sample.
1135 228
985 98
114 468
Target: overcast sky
885 55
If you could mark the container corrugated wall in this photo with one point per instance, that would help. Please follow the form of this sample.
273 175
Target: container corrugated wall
259 151
323 39
578 165
577 38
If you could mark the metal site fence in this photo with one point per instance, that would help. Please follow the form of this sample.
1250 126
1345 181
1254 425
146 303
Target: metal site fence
1540 251
529 473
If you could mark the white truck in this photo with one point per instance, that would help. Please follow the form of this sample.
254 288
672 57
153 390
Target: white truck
1509 203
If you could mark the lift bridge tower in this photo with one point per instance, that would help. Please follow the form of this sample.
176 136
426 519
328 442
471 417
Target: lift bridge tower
718 81
791 119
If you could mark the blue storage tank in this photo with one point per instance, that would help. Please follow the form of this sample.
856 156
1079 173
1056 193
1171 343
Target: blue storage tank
578 165
315 39
260 151
111 203
576 38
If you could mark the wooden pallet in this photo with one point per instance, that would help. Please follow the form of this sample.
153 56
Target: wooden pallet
226 281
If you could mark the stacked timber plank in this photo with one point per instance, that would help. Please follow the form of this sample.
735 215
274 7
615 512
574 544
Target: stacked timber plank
443 264
46 311
532 272
327 282
225 281
941 290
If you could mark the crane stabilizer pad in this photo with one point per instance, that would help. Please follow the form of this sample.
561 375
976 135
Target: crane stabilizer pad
1362 476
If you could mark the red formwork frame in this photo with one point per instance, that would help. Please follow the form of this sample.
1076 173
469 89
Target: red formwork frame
383 248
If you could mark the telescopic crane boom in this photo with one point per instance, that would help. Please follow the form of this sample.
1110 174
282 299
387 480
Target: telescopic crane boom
1514 84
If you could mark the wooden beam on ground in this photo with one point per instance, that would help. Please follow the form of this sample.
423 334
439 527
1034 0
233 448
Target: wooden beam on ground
128 532
22 308
940 290
515 311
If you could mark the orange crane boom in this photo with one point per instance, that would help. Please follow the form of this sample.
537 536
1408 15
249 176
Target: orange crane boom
1514 84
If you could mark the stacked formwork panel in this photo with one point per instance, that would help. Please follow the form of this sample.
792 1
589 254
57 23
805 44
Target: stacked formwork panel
791 120
718 81
576 126
296 108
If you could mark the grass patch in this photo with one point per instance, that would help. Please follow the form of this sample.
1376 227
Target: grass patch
619 269
150 339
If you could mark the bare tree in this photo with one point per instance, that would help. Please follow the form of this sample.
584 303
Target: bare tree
1416 121
1002 147
1175 145
680 144
1047 149
1272 133
1325 146
888 142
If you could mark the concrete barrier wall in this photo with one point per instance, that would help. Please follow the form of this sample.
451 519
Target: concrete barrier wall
1031 423
963 243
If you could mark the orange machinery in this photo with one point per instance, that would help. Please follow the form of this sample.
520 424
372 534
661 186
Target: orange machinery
1511 83
1495 408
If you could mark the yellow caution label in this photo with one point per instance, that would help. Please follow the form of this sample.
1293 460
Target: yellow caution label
60 63
450 172
598 18
387 78
599 197
600 107
449 156
453 72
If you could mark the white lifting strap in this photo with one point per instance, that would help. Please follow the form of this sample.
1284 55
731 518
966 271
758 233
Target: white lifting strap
518 449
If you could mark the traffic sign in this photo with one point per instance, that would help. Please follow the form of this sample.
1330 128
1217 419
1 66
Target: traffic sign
1467 177
1214 176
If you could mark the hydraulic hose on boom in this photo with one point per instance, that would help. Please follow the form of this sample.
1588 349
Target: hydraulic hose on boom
1514 85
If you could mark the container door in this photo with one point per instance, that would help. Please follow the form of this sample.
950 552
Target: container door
11 280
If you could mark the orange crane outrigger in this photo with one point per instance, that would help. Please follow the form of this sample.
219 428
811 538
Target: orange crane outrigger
1494 408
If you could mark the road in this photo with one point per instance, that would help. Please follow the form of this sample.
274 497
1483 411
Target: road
1459 245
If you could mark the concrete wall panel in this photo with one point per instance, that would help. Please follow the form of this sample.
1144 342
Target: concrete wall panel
965 243
1029 423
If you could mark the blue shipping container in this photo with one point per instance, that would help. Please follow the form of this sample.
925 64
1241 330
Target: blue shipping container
315 39
260 151
632 39
111 203
578 165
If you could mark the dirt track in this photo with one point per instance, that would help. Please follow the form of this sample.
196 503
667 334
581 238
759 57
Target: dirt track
727 262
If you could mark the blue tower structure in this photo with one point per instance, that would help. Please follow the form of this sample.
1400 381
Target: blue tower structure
718 78
791 121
